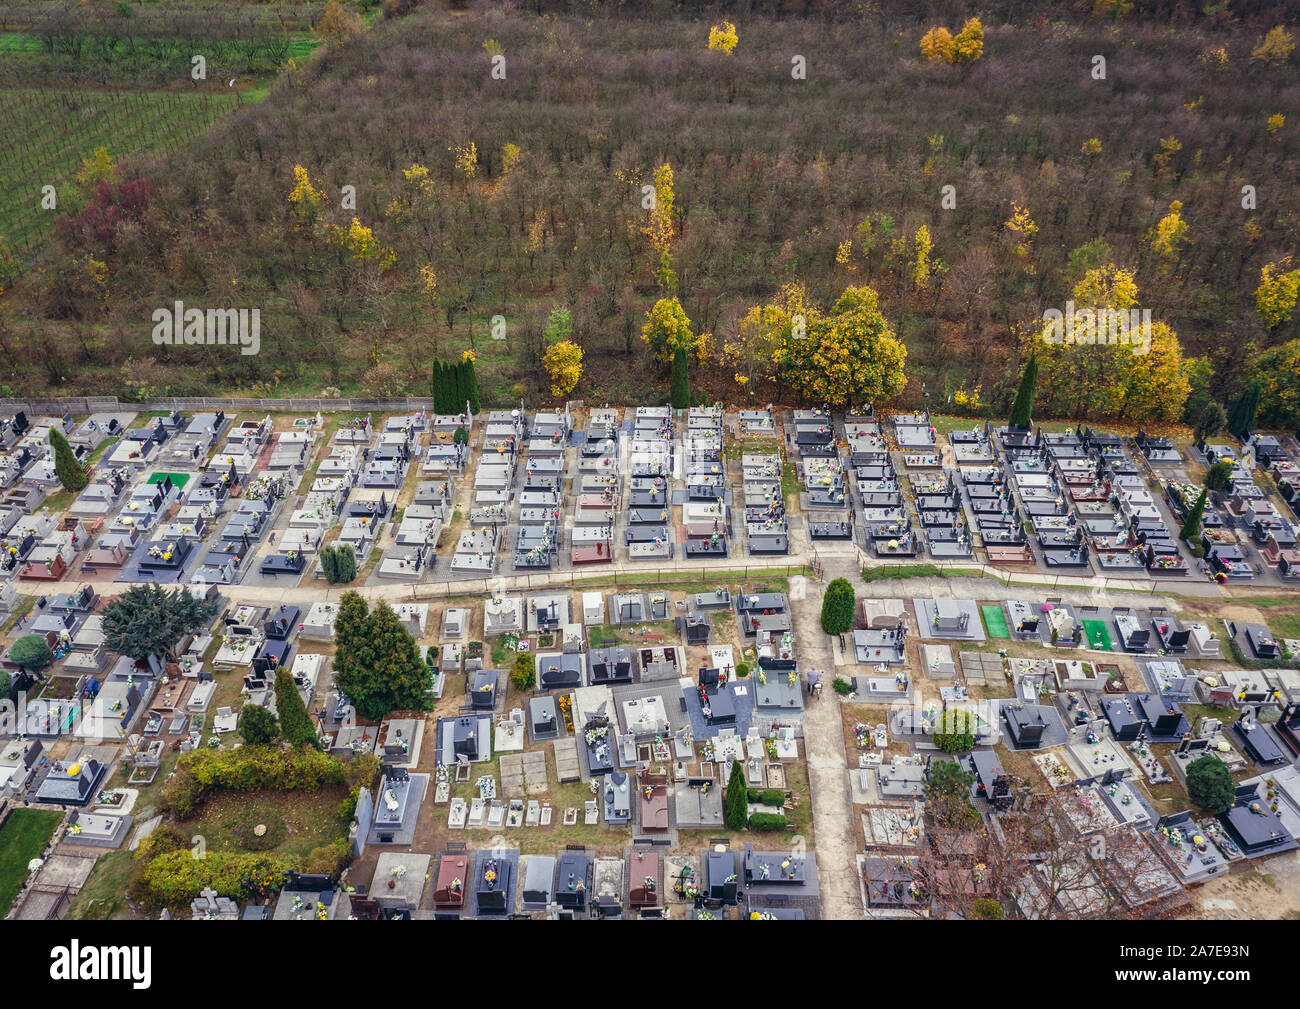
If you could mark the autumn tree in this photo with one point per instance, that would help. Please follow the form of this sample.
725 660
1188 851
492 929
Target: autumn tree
968 46
338 24
1276 295
849 355
1097 375
723 38
937 46
1170 232
1275 47
667 328
563 362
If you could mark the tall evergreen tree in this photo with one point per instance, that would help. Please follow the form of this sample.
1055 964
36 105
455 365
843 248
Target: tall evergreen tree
329 563
376 662
295 723
471 373
1211 422
148 620
1242 420
736 800
71 474
347 563
1192 526
679 392
1022 408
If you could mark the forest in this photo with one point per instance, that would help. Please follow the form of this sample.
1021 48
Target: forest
789 192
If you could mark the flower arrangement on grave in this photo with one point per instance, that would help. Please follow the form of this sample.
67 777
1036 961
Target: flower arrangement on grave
651 884
761 675
322 912
702 915
596 733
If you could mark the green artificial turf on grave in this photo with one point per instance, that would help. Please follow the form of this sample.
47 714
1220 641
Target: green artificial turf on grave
995 621
178 479
1098 635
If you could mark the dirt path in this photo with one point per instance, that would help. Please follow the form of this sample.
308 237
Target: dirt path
824 746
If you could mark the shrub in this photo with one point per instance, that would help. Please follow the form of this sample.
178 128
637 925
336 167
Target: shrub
985 909
960 738
1210 784
348 807
742 670
523 674
767 796
257 724
842 686
30 652
329 859
1218 475
768 821
176 877
837 606
248 769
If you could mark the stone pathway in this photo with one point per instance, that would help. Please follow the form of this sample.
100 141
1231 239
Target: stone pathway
836 841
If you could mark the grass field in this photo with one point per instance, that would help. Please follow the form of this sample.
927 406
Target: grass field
22 838
58 128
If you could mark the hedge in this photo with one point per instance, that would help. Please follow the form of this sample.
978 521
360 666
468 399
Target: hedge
176 877
247 769
767 796
768 821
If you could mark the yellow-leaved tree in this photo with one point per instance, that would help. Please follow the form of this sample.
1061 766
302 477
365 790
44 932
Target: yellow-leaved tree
338 24
563 362
667 328
969 43
1143 380
937 46
1275 47
723 38
1023 229
1275 298
1170 232
755 351
848 355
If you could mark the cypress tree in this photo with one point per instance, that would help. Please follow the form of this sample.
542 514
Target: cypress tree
329 563
1242 421
472 377
736 800
435 386
295 724
70 472
679 392
347 564
1023 407
1192 527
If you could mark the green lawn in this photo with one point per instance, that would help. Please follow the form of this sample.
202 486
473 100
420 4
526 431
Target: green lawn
22 838
1098 635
